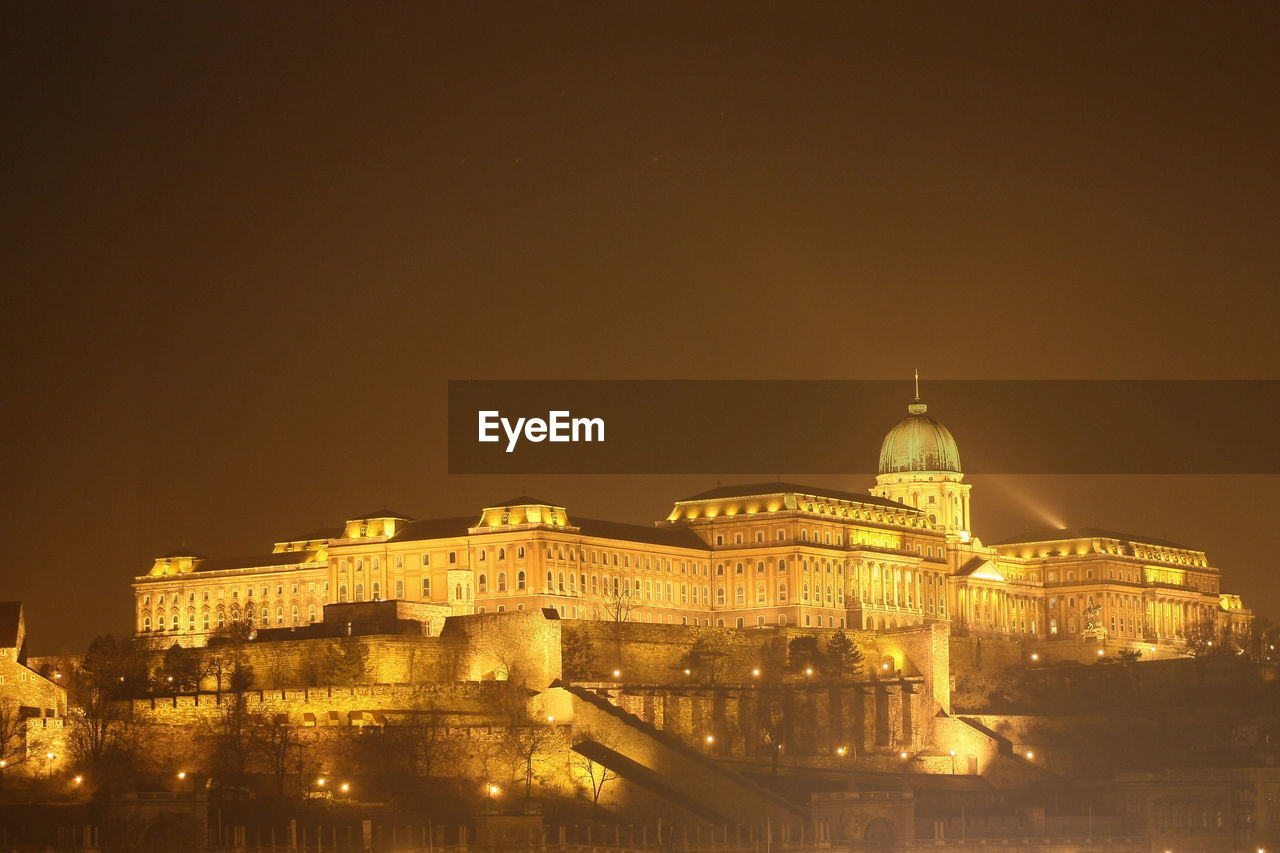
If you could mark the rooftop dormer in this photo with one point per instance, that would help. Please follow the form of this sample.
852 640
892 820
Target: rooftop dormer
522 512
178 562
380 524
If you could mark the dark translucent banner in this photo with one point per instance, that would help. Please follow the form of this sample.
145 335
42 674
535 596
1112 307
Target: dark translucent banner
795 427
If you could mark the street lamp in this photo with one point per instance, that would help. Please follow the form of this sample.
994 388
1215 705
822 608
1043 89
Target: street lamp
840 750
1030 755
953 762
550 718
617 673
492 790
78 779
755 673
1035 656
808 670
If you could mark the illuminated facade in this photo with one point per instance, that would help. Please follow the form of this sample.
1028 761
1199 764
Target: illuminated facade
737 556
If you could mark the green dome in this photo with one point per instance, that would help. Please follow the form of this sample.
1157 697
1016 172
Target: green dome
919 443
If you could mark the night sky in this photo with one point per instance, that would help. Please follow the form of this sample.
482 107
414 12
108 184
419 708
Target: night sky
244 248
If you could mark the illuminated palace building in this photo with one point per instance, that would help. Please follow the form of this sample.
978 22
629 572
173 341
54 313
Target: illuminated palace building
738 556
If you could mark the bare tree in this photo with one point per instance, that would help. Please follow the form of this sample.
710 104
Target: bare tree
277 743
233 740
525 744
619 600
13 727
1200 638
595 774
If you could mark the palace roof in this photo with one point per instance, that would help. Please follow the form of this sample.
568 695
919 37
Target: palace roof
747 490
283 558
1063 534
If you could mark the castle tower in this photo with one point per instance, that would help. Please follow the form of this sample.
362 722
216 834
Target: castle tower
920 467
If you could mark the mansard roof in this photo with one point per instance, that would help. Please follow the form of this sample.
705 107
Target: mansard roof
317 534
674 536
1062 534
283 558
381 513
434 528
526 500
747 490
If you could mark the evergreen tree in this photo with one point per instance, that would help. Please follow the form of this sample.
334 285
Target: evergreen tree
844 656
805 657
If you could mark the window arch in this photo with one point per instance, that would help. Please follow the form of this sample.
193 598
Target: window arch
720 596
482 583
342 593
502 582
520 579
740 595
760 594
377 590
359 592
782 591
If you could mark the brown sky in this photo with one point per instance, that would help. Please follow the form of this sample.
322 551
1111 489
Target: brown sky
244 248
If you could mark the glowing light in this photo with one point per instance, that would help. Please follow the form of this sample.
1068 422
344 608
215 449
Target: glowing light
756 672
884 666
1035 656
953 753
50 756
59 675
711 738
182 774
78 779
688 672
808 670
1030 754
617 673
494 790
1101 653
320 782
550 718
841 750
346 786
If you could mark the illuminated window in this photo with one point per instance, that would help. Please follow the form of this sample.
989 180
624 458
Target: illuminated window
146 623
